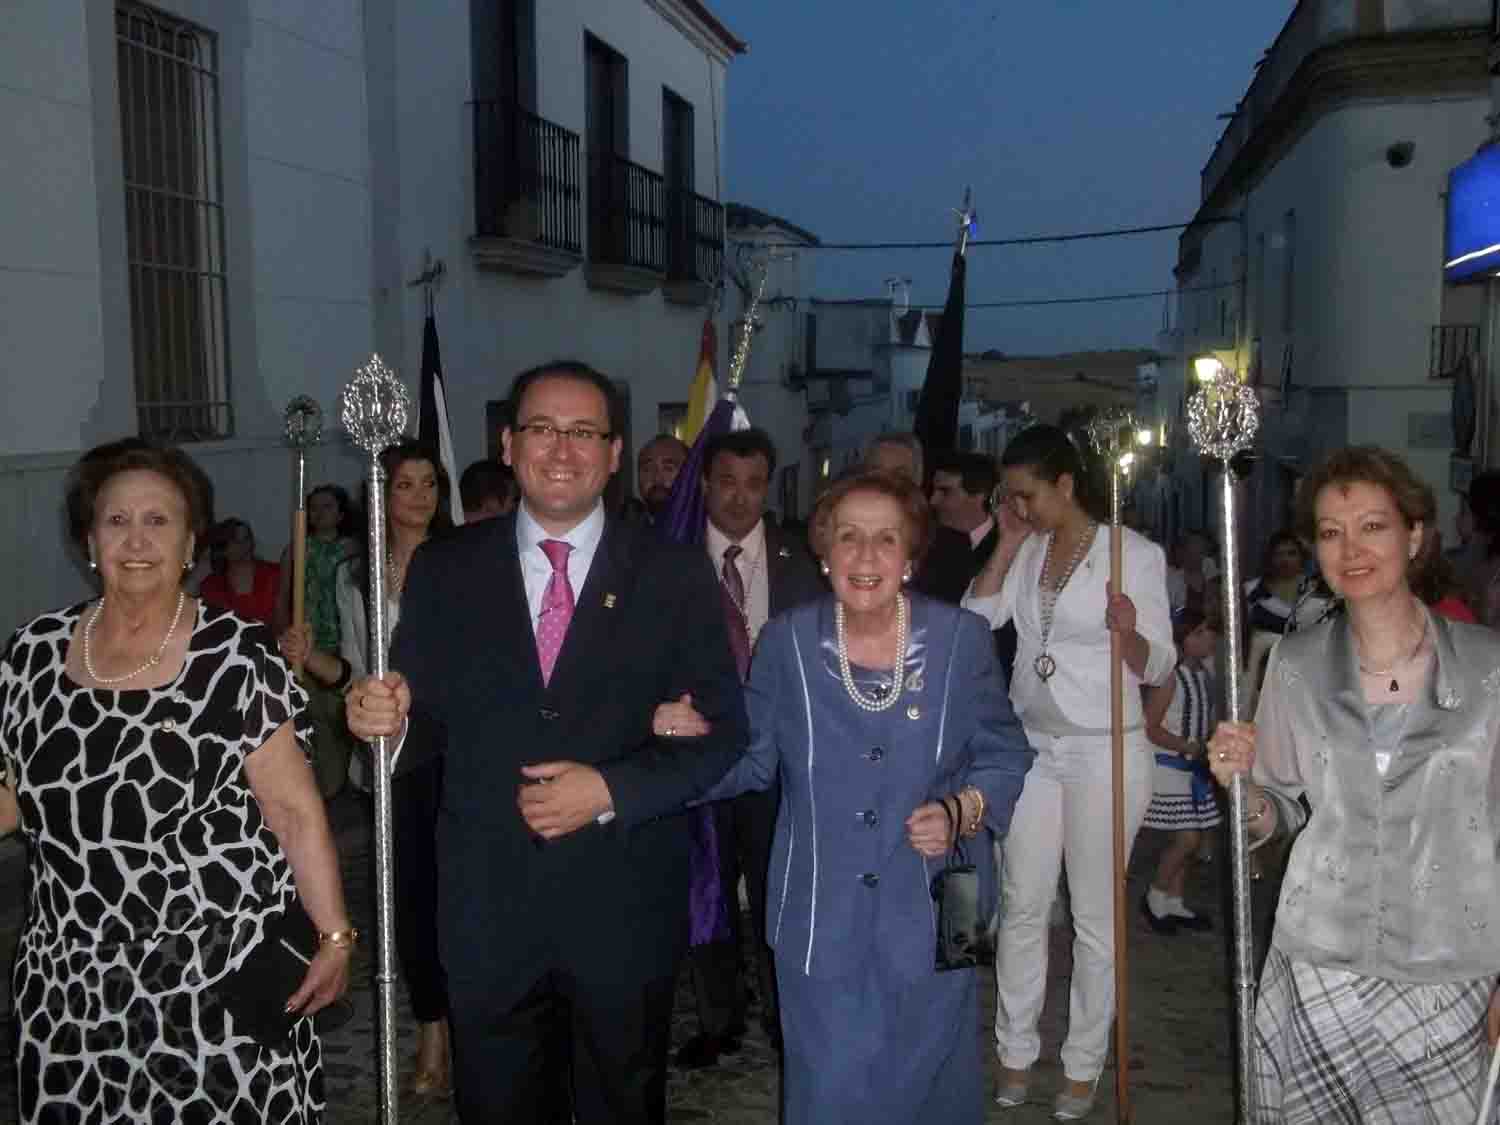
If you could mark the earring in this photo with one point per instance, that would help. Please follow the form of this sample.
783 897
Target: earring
187 565
825 570
906 575
93 565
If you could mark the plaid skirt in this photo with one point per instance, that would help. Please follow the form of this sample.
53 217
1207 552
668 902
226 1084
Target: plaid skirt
1334 1046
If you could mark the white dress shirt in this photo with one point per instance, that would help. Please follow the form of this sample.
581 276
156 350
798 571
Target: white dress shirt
751 563
1077 698
536 571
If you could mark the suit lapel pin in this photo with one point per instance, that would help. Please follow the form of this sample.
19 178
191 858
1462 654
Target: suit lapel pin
609 601
915 682
1449 700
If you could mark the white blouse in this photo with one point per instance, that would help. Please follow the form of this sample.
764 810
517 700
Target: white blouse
1077 698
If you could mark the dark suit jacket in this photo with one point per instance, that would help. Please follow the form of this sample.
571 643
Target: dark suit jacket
792 577
648 627
948 567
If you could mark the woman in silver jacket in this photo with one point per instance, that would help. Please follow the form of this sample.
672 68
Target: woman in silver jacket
1378 994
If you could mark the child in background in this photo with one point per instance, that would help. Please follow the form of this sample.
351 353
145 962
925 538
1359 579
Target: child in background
1179 718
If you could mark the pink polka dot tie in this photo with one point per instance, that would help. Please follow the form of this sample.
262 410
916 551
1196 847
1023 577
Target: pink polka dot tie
557 606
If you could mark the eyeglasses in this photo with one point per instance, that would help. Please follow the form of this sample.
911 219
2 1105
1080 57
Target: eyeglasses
546 431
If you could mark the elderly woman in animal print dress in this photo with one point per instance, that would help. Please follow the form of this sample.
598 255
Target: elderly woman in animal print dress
149 753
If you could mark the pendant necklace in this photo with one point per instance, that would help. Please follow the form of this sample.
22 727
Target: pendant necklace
1391 671
862 700
1044 664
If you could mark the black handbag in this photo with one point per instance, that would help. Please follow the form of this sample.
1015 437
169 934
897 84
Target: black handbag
964 938
256 993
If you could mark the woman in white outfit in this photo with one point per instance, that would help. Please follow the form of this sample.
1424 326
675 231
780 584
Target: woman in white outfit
1049 575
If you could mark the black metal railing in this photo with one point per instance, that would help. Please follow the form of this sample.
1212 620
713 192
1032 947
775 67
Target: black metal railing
1448 346
695 237
627 214
527 182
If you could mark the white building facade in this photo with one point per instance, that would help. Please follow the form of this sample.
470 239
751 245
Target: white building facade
215 205
1315 263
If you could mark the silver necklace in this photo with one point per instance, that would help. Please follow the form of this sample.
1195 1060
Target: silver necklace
88 644
862 700
1044 664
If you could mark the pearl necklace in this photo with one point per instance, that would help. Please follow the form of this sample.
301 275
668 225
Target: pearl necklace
1044 664
88 644
897 671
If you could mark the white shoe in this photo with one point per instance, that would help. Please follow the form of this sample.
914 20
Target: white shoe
1071 1107
1012 1092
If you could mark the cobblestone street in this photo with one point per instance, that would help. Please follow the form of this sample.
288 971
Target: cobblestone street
1180 1061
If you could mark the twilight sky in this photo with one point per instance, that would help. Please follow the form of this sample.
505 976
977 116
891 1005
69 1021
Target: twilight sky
863 120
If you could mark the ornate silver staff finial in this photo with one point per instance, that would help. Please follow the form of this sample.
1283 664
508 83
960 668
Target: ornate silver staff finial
750 324
1224 414
304 422
1117 437
374 407
1223 417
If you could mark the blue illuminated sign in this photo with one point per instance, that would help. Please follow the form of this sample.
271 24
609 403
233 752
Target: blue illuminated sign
1473 244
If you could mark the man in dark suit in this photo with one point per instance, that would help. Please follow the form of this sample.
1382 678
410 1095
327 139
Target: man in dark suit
542 642
946 570
761 574
963 486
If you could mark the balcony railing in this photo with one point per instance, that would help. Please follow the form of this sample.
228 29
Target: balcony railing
627 214
1449 346
695 237
527 182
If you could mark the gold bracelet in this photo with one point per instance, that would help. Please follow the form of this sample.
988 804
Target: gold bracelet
977 820
339 939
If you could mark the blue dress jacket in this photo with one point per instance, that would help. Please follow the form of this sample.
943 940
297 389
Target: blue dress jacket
844 883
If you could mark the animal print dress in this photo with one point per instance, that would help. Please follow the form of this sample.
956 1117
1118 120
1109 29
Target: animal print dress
151 876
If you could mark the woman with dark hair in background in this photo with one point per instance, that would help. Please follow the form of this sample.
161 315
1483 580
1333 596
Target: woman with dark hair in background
1049 574
152 754
416 504
240 581
333 535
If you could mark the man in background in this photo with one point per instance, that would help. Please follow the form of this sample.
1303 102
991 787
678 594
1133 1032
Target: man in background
656 469
487 489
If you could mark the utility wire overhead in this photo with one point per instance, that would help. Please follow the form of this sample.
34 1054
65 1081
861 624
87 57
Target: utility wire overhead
1031 302
1028 240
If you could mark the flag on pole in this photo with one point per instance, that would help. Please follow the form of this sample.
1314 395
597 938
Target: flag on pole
942 389
432 417
704 394
686 521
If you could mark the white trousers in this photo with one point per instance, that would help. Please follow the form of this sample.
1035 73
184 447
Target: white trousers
1065 813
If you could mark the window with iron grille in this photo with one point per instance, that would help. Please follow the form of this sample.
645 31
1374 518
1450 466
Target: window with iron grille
174 224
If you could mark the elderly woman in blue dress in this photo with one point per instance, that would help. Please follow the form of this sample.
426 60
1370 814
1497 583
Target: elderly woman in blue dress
1379 990
886 718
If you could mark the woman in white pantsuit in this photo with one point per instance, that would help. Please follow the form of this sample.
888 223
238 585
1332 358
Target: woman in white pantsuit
1049 575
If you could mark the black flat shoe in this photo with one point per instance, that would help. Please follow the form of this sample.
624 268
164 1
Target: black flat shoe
1166 927
1197 924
